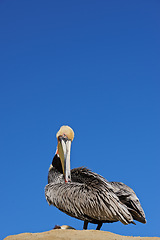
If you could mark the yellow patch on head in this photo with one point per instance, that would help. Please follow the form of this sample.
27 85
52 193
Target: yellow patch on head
66 130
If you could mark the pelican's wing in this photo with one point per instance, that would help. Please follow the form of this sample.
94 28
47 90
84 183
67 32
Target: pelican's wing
91 200
129 198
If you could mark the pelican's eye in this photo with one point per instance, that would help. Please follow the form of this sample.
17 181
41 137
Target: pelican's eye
63 137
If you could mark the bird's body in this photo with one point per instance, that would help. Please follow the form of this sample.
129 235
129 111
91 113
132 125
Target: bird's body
90 197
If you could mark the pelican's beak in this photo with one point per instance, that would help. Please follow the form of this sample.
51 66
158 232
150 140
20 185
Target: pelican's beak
64 148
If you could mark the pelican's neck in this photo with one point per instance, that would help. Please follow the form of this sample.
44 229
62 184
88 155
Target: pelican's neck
55 174
56 163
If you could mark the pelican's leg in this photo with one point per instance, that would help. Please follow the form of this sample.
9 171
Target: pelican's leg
85 225
99 226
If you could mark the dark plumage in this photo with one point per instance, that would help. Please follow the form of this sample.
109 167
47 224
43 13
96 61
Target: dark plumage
91 198
86 195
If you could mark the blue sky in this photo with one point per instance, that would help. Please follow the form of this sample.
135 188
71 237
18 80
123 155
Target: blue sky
95 66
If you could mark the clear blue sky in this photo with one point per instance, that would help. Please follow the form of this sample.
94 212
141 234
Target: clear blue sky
95 66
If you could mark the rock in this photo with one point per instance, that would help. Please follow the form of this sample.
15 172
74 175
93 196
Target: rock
60 234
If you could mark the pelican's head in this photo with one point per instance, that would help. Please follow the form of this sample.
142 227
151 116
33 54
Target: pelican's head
64 137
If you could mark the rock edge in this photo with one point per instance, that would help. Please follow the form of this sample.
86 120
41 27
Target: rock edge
60 234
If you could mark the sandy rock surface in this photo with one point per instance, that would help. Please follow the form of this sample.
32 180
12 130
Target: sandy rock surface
60 234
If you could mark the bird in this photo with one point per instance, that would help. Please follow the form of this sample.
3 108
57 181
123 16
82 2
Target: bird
64 227
86 195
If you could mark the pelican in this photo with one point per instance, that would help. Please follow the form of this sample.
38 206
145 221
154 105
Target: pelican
85 195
